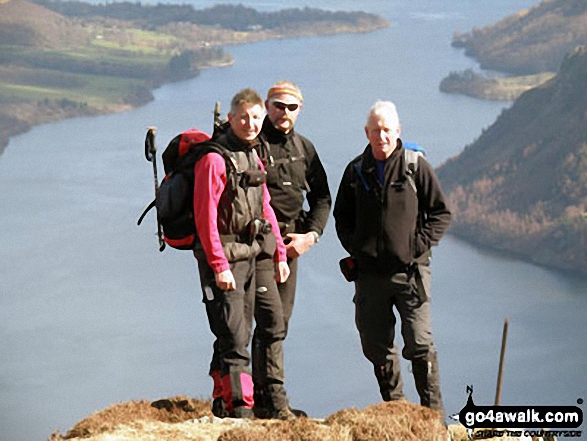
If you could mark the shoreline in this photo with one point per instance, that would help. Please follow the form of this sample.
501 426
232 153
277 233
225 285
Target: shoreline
483 87
51 113
42 114
517 256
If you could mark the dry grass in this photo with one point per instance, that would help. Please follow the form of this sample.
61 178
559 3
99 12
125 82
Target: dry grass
301 429
398 421
170 411
180 419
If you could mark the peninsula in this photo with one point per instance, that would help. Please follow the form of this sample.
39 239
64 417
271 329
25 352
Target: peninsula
60 59
528 46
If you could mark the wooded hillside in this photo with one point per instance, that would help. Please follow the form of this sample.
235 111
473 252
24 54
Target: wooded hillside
530 41
522 185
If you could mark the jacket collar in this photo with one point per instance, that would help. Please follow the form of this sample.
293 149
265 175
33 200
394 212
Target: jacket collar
369 162
273 135
236 144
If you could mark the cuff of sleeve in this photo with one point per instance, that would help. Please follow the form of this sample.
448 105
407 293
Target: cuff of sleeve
279 257
220 267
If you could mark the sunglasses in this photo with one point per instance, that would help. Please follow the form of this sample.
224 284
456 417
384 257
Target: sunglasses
282 106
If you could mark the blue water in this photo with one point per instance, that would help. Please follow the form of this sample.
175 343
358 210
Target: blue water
92 314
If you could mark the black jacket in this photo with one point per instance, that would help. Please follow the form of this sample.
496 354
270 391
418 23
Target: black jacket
293 175
389 227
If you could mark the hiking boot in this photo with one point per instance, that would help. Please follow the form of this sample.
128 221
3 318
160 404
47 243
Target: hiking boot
298 413
268 413
261 412
284 414
242 412
219 408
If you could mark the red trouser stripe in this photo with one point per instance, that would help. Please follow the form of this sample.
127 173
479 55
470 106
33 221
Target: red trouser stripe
217 391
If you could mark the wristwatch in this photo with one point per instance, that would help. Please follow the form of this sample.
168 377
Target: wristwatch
316 236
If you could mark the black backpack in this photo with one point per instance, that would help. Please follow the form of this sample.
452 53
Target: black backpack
174 196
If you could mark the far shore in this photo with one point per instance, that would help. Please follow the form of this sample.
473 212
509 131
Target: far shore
39 113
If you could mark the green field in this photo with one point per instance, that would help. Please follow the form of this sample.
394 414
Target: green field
105 72
94 90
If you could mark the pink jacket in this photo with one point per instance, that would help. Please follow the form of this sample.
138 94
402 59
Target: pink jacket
210 181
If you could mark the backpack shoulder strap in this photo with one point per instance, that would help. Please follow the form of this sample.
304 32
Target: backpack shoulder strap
299 146
263 150
411 160
412 153
298 156
200 150
301 157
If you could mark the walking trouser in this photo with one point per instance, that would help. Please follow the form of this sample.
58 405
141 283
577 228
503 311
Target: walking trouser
409 292
230 315
287 292
268 370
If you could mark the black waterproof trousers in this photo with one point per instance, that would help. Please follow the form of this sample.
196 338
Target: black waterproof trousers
230 315
267 347
409 293
263 302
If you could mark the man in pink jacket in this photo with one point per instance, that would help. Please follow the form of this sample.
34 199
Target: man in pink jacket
234 218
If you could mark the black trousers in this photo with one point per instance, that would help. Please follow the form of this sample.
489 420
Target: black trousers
263 302
267 347
230 316
377 295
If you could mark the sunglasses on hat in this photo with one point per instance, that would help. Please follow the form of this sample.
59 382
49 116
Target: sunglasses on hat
282 106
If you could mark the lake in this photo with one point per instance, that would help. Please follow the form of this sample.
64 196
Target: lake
92 314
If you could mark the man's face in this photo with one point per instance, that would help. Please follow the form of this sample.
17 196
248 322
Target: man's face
382 134
246 121
283 110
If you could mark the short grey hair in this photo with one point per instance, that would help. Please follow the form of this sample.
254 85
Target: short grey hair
384 109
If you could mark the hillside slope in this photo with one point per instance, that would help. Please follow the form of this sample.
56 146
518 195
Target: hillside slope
54 67
27 24
522 185
530 41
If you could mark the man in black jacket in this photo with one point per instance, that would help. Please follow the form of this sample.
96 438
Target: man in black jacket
294 174
389 212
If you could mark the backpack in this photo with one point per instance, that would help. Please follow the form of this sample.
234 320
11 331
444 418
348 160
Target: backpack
174 196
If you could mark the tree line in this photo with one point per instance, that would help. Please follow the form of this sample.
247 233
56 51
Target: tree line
234 17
